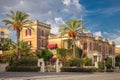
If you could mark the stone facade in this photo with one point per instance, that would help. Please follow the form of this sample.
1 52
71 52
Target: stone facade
117 50
3 34
38 37
96 48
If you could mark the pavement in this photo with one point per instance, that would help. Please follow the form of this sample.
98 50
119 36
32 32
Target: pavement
59 76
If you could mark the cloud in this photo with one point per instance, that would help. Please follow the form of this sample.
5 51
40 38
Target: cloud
55 24
109 11
54 12
117 40
99 33
66 2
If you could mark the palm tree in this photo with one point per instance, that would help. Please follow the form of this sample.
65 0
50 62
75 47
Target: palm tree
72 28
24 48
17 21
7 44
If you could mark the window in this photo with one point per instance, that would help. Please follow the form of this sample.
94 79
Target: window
95 58
28 32
2 34
90 46
2 40
42 32
85 46
99 48
29 42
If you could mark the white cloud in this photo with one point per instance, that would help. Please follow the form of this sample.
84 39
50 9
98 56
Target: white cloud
99 33
66 2
21 2
55 24
117 40
59 20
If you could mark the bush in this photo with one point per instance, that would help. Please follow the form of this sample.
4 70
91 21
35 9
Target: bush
100 65
108 63
23 68
77 69
73 62
88 61
45 54
117 59
27 63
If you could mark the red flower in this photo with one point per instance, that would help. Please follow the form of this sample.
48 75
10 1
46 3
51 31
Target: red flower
53 59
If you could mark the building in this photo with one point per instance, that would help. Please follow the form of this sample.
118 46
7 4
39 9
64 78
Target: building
38 37
3 34
96 48
117 49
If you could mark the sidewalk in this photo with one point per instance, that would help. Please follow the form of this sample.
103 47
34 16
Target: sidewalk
46 75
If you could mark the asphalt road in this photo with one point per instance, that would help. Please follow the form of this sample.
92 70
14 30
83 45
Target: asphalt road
58 76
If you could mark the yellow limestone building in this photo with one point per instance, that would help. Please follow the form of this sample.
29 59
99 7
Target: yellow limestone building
96 48
37 38
4 32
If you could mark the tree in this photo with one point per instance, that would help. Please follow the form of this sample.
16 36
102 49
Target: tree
45 54
24 48
6 45
62 54
17 21
108 62
72 28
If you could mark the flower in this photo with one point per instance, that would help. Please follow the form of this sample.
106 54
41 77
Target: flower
53 59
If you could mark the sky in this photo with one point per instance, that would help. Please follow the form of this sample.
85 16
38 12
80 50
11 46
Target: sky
101 17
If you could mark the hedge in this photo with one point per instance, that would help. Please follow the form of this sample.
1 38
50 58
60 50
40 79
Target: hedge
77 69
25 61
23 68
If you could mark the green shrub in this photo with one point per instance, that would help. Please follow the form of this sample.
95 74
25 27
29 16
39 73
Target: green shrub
117 59
108 63
45 54
100 65
77 69
25 61
74 62
23 68
88 61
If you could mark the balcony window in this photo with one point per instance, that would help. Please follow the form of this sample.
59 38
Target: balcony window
28 32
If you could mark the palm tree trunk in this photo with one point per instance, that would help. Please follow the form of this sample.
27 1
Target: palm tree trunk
17 46
74 52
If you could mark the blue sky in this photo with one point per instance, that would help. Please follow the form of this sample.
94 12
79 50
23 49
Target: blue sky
101 17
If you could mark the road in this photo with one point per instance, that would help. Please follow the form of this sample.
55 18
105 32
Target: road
58 76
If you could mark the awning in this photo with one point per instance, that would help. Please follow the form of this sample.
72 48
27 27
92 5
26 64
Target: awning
52 46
